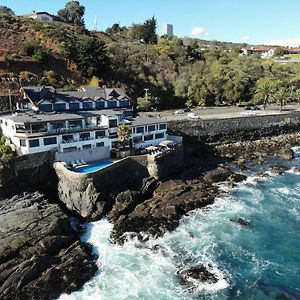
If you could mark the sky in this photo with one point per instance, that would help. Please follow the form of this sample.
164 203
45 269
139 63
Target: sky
253 21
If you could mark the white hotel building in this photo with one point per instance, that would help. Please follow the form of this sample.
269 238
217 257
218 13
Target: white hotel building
77 125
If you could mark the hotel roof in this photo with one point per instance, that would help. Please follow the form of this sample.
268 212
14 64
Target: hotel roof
39 117
37 94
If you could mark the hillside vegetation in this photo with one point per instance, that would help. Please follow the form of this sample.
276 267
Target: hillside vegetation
176 72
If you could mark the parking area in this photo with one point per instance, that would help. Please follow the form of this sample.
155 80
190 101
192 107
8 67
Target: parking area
220 112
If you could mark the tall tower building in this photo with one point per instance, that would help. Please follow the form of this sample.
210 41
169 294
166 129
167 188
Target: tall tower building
168 30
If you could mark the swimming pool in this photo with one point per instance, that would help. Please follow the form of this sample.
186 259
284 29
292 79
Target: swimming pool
94 167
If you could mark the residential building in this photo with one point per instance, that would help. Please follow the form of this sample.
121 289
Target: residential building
77 125
168 30
264 52
44 16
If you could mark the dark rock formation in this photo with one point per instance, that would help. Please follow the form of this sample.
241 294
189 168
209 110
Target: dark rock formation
202 274
287 154
40 253
224 174
162 212
277 169
241 221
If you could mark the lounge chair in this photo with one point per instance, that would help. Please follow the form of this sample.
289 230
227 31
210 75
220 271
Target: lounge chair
78 162
82 162
73 164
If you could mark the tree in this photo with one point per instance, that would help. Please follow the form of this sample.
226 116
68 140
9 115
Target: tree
278 52
297 95
149 31
280 96
123 135
147 103
264 90
4 10
73 13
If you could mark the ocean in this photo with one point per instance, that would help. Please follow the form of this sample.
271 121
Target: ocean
259 261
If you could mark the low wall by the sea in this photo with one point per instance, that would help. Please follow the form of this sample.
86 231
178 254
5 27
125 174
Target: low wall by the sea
235 129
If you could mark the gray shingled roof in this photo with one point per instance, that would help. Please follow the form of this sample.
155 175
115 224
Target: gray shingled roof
37 94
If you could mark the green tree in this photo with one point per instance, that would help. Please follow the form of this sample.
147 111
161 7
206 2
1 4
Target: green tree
149 31
297 95
278 52
280 97
4 10
73 13
147 103
123 135
264 90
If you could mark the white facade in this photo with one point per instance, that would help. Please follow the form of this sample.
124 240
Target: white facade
94 136
263 52
41 16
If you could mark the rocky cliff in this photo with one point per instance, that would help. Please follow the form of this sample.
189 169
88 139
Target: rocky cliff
40 253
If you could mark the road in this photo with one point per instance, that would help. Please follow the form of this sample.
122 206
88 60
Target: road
222 112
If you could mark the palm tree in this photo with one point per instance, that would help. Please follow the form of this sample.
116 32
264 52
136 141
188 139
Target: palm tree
280 97
264 90
123 135
297 95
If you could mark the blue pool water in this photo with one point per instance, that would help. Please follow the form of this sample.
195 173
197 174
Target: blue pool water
259 262
94 167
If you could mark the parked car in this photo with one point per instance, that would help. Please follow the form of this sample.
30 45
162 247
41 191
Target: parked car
192 116
182 111
252 107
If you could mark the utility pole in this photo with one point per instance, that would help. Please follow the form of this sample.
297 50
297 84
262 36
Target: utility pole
10 102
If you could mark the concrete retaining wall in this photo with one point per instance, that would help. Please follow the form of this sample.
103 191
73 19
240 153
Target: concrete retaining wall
235 129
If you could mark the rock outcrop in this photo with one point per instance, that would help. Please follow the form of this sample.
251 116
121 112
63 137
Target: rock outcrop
40 253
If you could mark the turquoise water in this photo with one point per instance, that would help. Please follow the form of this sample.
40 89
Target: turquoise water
94 167
257 262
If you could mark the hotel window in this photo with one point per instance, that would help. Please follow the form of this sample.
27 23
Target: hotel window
113 123
67 138
74 106
148 137
87 105
85 136
112 104
34 143
75 124
159 136
45 107
88 146
162 126
59 106
100 134
139 129
98 145
100 104
50 141
23 143
151 128
40 127
124 103
137 139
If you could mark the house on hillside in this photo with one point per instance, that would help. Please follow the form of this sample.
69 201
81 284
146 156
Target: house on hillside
263 52
45 17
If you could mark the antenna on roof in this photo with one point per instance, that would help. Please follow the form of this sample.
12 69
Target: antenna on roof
95 24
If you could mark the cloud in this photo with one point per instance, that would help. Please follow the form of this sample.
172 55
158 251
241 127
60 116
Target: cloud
245 38
292 42
199 31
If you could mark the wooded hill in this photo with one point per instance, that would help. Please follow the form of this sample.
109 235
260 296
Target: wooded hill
176 71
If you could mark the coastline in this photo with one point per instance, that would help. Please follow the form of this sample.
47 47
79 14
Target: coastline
159 206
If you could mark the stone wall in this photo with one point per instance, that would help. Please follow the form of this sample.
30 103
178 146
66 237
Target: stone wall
235 129
26 172
91 195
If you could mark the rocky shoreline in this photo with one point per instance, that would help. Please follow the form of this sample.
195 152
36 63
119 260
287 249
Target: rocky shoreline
41 254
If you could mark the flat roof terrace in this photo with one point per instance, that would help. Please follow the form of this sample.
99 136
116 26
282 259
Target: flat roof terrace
31 117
